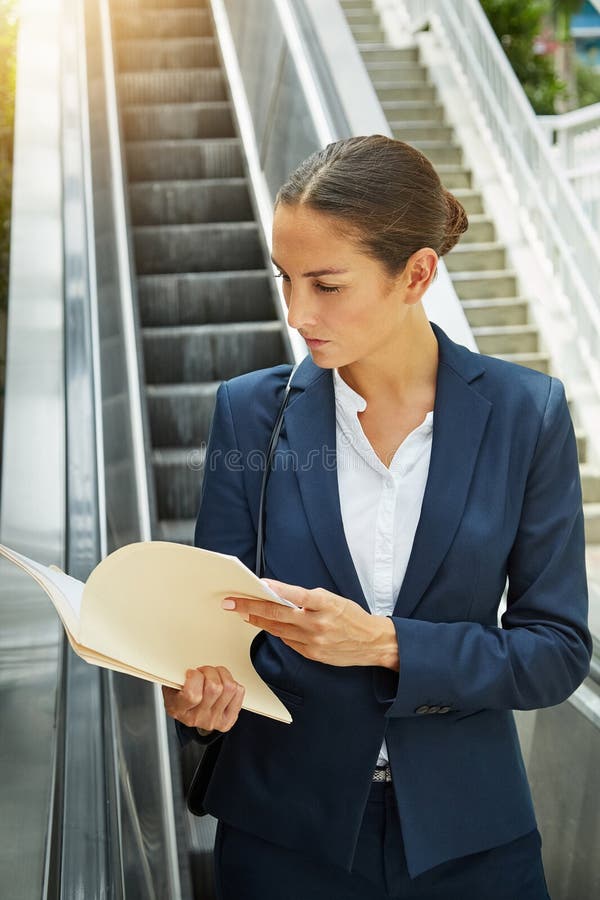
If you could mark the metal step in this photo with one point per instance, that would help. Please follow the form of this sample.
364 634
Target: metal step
368 34
171 86
177 121
180 414
202 298
162 249
186 353
454 177
190 202
590 483
160 160
591 515
383 53
142 22
470 199
364 16
481 230
135 54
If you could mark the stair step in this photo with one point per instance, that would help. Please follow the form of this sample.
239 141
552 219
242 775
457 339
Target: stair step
134 54
406 72
190 202
171 86
368 34
494 339
166 159
581 438
454 177
485 285
178 531
210 352
412 110
199 298
163 23
471 200
397 91
591 516
440 152
178 121
363 16
481 230
180 414
355 4
538 361
421 131
372 53
163 249
504 311
178 474
590 483
476 257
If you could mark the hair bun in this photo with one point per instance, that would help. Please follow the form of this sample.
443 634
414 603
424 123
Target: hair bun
456 223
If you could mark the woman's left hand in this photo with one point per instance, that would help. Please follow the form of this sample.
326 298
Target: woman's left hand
328 628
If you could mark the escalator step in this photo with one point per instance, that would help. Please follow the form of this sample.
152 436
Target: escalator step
190 202
171 86
159 160
198 298
165 53
161 249
210 352
180 414
163 23
168 121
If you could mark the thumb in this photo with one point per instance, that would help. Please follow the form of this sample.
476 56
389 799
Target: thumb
293 592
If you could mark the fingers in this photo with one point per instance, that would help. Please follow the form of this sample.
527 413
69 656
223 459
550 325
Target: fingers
210 698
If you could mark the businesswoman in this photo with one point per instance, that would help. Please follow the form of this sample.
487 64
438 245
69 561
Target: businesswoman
412 477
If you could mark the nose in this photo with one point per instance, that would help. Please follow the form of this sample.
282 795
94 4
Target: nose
301 309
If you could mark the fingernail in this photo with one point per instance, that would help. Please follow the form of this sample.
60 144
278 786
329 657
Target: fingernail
228 603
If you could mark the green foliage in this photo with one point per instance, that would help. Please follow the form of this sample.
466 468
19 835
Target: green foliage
516 24
588 85
8 40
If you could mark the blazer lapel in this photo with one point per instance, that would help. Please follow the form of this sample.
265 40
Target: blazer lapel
459 420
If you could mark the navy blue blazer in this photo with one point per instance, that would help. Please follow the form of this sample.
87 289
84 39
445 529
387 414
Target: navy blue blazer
502 499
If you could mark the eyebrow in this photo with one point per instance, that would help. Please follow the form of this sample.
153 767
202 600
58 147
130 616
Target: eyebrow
329 271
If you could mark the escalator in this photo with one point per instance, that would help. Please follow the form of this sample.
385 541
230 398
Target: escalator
206 303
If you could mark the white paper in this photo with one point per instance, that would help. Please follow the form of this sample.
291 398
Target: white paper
70 587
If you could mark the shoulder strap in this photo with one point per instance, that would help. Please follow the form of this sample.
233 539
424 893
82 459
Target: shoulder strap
260 559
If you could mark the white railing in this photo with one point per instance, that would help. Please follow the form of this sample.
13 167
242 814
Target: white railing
575 140
546 201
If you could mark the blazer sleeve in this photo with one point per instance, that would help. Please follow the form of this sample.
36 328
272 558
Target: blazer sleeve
542 652
224 522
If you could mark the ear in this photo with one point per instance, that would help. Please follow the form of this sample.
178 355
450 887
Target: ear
420 271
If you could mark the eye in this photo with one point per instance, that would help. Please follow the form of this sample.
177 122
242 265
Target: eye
324 288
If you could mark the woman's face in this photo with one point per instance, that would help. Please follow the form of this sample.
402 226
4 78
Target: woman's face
333 291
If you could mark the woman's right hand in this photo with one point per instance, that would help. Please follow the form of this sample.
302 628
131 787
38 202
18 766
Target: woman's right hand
209 699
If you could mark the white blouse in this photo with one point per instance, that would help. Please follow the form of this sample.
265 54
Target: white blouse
380 506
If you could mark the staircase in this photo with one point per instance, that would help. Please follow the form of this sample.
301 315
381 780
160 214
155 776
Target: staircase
480 272
206 302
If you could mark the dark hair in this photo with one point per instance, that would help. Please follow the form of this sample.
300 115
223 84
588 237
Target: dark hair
386 193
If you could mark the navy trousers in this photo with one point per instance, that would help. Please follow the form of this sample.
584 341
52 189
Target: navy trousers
248 867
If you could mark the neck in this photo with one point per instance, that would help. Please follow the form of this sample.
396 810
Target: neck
405 369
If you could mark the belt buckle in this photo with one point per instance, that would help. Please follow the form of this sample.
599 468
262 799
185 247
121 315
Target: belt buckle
382 773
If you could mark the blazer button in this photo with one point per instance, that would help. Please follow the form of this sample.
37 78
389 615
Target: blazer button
444 709
422 709
434 709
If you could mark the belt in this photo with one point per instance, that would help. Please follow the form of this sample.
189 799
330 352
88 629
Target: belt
382 773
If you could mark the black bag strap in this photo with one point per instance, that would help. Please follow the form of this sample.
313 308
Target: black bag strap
260 556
